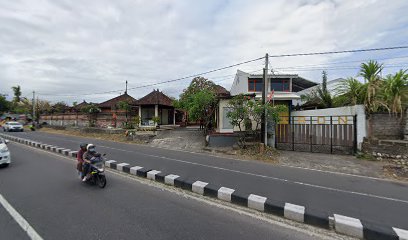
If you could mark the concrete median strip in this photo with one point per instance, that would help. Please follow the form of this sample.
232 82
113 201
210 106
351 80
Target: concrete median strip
152 174
342 224
198 187
294 212
348 226
225 194
169 179
256 202
401 233
121 165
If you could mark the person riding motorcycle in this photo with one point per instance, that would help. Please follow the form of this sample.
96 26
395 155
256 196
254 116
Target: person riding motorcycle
87 156
80 163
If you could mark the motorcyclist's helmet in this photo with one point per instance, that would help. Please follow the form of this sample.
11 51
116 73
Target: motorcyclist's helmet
90 148
83 145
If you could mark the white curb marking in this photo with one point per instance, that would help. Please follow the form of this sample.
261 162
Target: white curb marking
121 165
225 193
256 202
20 220
169 179
198 187
348 226
402 234
72 153
294 212
133 170
152 174
108 163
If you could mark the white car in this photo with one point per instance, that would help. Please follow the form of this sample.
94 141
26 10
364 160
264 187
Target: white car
13 126
5 158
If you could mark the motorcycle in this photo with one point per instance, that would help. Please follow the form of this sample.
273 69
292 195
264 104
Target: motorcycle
97 171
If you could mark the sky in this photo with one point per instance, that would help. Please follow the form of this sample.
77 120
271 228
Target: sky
79 50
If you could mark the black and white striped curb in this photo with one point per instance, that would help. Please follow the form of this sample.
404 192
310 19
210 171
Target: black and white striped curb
342 224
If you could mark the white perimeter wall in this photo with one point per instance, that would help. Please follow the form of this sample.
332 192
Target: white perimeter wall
350 110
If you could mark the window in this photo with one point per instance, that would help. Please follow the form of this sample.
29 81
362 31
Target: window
226 124
280 85
254 85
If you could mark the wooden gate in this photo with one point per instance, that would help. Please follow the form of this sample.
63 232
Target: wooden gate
324 134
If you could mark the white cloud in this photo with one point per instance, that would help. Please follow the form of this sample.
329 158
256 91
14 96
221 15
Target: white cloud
63 47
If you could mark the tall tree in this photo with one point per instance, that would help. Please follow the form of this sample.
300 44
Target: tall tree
17 93
244 110
350 92
199 100
370 71
395 91
321 96
91 110
125 106
4 104
59 107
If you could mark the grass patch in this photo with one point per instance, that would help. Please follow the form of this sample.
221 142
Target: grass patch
365 156
114 137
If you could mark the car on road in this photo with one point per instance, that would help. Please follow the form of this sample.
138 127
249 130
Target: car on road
5 158
13 126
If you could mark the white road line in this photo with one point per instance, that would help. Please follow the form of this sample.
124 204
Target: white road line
20 220
264 176
240 160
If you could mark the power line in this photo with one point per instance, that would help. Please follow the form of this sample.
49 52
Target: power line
338 52
234 65
332 63
168 81
336 68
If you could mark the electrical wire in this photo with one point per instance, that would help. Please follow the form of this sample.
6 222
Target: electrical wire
338 52
234 65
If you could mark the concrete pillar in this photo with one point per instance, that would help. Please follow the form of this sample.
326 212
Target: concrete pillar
174 116
156 111
140 115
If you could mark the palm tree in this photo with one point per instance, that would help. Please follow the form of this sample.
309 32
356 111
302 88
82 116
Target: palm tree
351 92
395 91
17 93
371 73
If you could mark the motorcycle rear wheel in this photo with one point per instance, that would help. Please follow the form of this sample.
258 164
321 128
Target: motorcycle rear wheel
101 181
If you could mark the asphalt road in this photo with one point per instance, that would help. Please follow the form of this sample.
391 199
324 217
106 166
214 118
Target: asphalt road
383 202
45 190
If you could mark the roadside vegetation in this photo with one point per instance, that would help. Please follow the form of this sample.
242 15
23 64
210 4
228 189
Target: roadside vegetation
376 93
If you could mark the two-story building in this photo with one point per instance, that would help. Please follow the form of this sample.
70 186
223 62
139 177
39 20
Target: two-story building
283 88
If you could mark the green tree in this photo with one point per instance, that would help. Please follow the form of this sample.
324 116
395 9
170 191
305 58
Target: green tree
4 104
59 107
350 92
395 91
24 106
17 93
320 96
199 100
243 110
370 71
125 106
91 110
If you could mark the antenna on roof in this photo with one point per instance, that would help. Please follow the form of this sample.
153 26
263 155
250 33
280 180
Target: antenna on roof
126 88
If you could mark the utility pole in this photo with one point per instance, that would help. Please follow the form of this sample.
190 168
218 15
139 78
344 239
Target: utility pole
33 105
264 126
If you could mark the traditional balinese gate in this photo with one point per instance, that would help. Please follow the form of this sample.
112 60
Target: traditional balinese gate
324 134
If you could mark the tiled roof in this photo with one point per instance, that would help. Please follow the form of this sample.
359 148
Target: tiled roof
221 91
111 102
155 97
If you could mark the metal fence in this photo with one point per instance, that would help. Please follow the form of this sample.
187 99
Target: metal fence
325 134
